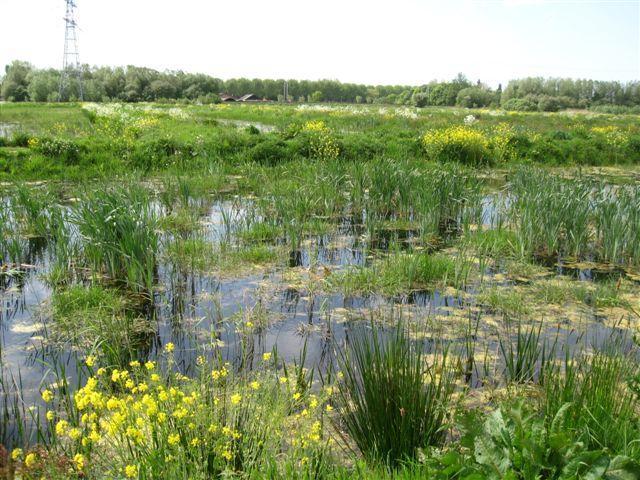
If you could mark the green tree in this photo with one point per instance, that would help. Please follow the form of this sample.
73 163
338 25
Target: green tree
15 84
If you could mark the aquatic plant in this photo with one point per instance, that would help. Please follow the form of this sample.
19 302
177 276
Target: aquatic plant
393 400
601 409
139 421
118 236
525 360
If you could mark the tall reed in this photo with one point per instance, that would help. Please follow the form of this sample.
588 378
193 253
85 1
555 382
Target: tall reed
118 236
394 401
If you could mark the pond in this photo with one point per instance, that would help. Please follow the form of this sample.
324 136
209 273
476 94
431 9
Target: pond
285 306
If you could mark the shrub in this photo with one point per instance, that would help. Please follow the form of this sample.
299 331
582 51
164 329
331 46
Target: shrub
321 142
457 144
157 152
61 148
270 152
521 105
474 97
548 104
19 139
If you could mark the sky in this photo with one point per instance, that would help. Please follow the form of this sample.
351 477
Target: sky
408 42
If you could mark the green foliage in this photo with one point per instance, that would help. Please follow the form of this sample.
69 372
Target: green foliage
474 97
394 402
517 443
557 216
401 273
62 148
101 320
118 236
520 105
525 360
598 406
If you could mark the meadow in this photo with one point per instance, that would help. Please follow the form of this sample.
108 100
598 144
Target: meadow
318 291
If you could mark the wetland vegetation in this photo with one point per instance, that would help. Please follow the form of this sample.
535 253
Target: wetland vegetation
318 291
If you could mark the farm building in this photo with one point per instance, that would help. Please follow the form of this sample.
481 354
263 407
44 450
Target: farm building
249 97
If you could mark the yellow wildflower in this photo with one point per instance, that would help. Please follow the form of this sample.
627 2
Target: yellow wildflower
30 460
90 361
78 460
47 395
131 471
16 453
236 398
61 427
169 347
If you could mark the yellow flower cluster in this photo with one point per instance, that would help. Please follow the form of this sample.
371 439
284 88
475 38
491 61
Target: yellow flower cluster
457 143
140 415
613 136
502 142
323 144
315 126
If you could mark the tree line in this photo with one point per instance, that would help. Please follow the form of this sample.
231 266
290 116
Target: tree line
23 82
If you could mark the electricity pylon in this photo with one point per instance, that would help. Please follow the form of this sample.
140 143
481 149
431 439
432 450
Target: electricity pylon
71 61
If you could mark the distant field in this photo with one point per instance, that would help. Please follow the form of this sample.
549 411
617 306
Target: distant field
73 141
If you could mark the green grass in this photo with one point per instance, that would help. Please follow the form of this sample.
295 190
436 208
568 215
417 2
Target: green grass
601 410
147 138
200 255
498 244
403 272
394 401
118 236
504 300
114 245
100 320
524 356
